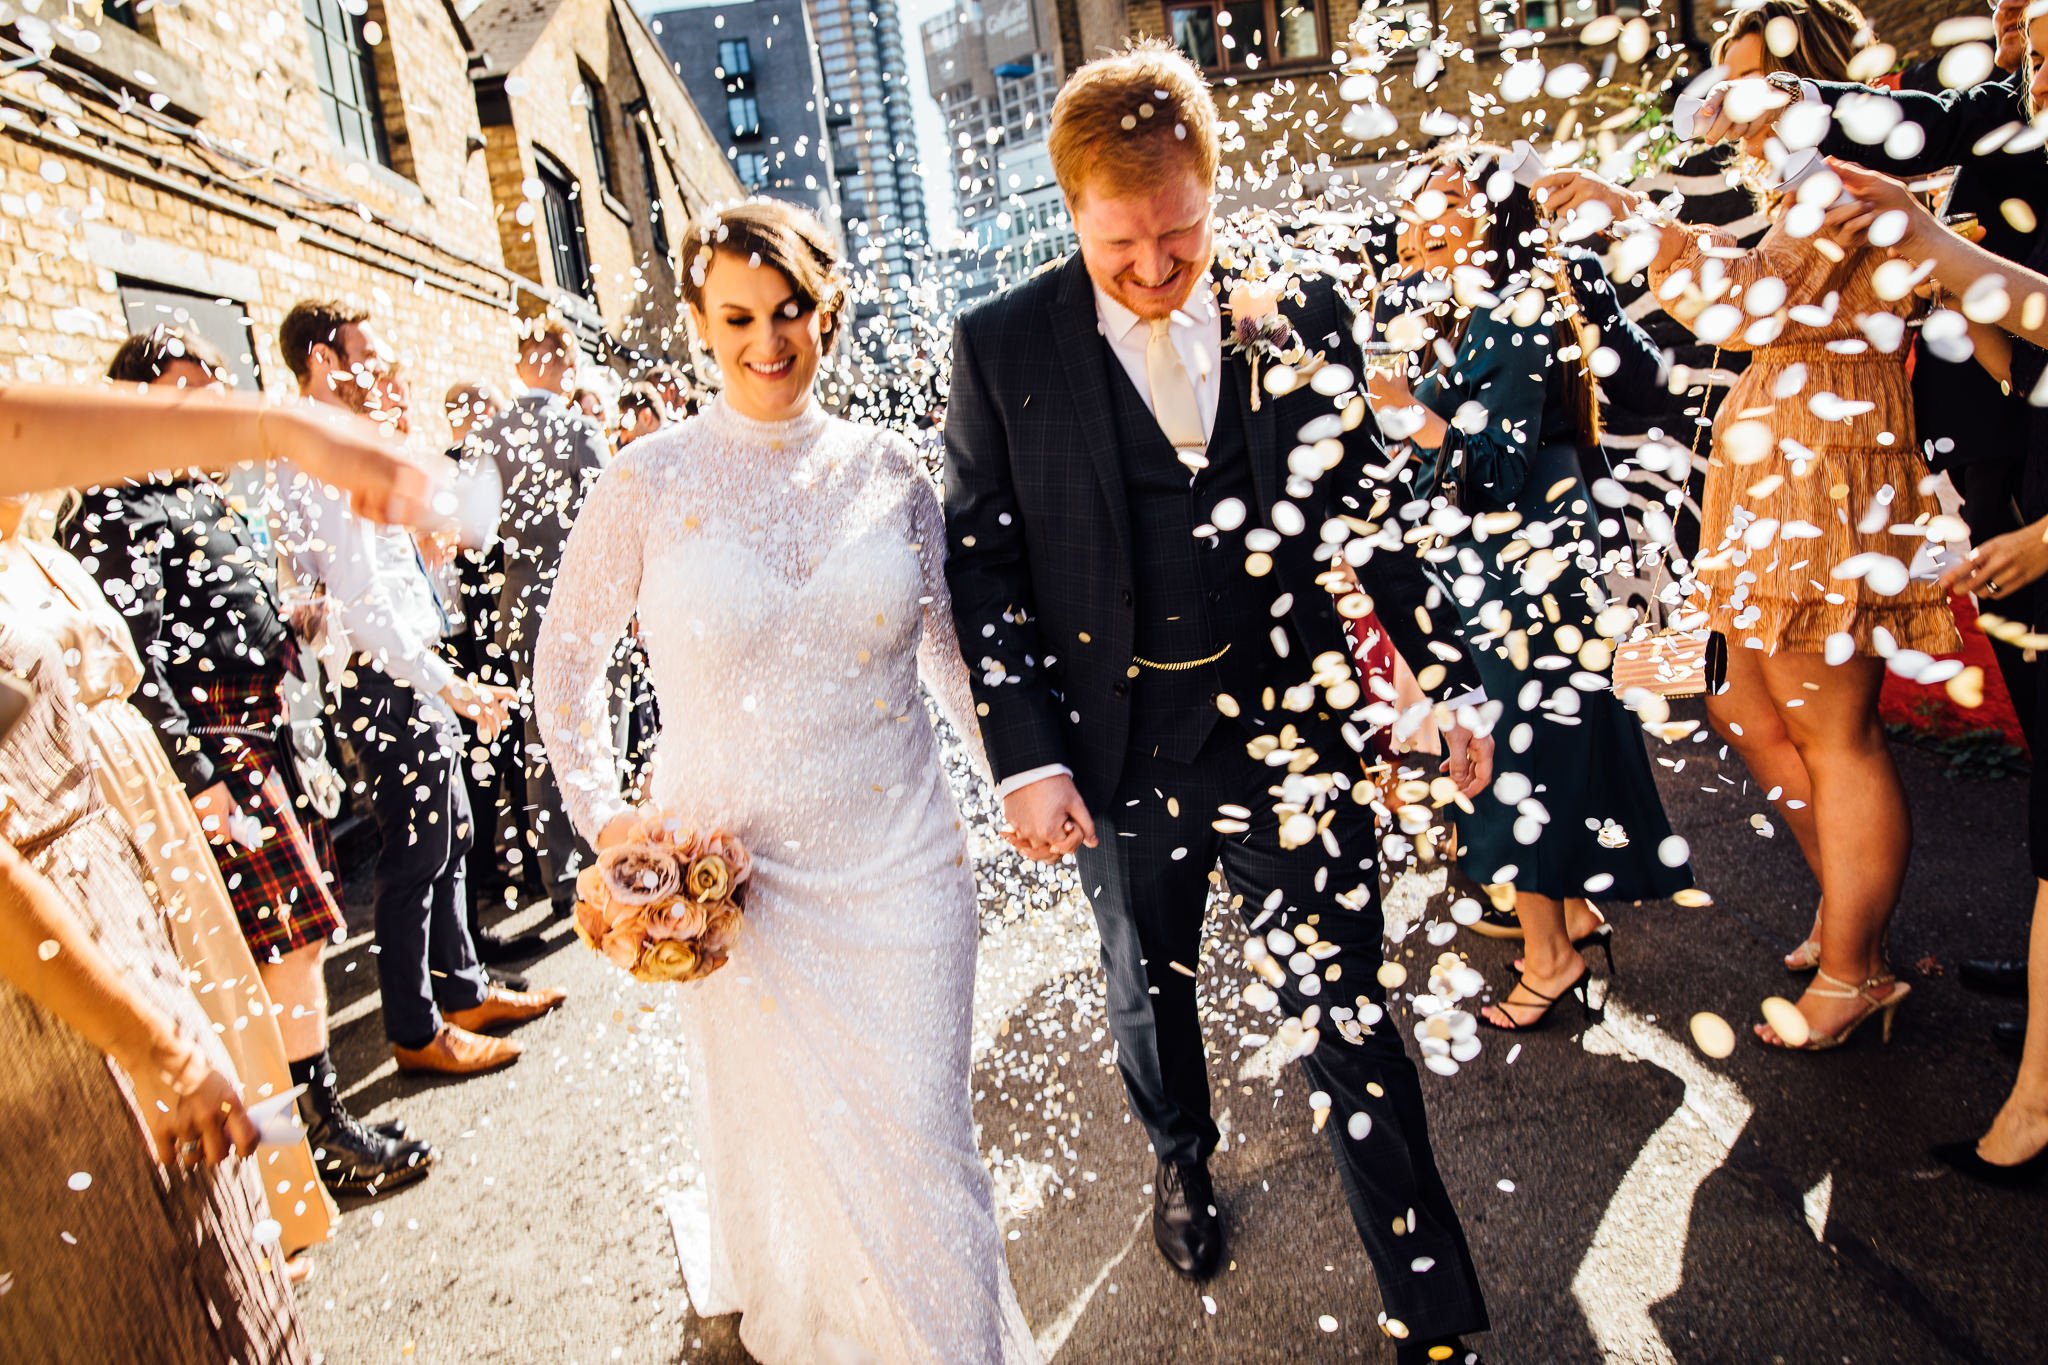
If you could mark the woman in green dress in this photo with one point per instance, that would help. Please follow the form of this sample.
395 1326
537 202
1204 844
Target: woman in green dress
1498 434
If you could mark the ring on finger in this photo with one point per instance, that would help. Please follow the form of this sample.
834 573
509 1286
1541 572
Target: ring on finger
1991 586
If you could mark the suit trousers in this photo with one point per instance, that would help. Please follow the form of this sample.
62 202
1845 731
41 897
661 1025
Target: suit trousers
558 850
409 751
1149 882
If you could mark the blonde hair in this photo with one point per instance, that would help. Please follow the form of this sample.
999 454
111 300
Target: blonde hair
1831 33
1133 118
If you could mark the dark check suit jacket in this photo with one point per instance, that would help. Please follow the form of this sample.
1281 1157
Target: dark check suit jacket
1038 528
548 455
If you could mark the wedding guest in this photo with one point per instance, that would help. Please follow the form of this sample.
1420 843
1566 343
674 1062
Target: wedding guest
1573 809
641 413
1806 650
399 706
678 397
183 567
157 1258
42 583
546 454
2014 1150
467 406
591 404
1973 424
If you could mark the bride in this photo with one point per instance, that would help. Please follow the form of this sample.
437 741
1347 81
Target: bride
786 570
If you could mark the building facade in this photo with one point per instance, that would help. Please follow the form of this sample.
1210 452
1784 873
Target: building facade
994 69
212 166
1292 76
752 69
874 149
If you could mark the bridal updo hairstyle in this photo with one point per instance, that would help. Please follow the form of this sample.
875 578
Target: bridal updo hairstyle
772 232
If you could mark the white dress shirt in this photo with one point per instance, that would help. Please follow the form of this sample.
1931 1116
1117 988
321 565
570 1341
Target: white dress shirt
377 588
1197 332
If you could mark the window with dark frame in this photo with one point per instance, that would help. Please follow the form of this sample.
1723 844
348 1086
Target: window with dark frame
600 138
346 75
562 214
1248 35
752 169
650 184
736 63
122 12
743 115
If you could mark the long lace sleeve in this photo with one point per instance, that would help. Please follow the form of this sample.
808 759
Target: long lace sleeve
939 660
595 589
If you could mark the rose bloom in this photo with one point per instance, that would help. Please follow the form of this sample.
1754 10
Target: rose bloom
710 879
738 861
640 873
626 941
721 932
684 920
592 923
667 960
590 885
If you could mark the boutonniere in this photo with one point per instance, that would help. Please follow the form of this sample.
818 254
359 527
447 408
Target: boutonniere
1259 331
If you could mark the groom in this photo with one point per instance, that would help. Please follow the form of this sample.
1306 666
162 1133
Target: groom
1139 556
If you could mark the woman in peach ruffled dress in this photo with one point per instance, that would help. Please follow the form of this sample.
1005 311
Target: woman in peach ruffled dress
1816 507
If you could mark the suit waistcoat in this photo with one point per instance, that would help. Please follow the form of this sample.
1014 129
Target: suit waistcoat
1192 594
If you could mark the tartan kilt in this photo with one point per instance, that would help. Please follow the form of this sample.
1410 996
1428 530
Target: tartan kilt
283 889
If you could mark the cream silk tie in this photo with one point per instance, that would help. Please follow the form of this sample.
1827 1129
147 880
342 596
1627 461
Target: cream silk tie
1175 402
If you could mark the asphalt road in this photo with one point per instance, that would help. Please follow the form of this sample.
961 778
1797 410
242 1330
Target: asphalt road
1628 1198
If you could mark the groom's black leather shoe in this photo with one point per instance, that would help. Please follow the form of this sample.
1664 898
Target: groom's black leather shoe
1184 1218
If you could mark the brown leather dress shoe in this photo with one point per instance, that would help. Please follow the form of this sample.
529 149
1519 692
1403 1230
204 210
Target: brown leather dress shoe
504 1006
458 1052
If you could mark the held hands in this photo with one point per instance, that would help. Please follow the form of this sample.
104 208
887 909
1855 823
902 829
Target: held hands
485 705
2003 565
1047 819
1468 760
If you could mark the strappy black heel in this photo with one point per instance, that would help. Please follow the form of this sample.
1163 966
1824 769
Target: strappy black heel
1577 990
1601 937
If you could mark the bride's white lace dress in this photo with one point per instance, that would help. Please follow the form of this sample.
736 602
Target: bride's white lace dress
788 580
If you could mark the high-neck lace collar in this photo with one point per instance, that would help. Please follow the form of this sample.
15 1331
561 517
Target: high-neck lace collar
805 426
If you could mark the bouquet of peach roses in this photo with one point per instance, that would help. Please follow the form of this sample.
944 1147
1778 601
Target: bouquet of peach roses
664 903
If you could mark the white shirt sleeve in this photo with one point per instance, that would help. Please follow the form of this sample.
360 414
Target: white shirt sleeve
1019 781
330 542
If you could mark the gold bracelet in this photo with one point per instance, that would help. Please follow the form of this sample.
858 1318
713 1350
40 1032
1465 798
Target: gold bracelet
1180 668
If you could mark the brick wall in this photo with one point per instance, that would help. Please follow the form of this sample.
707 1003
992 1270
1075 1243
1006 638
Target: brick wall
273 210
1292 117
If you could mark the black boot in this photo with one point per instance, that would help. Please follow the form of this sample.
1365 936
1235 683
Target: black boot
1184 1219
352 1158
1994 975
495 949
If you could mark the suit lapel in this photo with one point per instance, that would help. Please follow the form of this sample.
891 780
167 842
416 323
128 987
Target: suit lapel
1259 427
1077 335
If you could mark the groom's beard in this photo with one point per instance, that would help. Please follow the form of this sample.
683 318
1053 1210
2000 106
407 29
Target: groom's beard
1148 304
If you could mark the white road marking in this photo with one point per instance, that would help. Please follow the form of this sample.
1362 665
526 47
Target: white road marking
1637 1255
1055 1333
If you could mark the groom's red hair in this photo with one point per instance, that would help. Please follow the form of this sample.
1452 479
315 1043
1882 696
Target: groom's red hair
1133 120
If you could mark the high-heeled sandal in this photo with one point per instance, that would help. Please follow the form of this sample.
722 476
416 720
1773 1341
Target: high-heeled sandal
1806 957
1887 1006
1577 990
1600 936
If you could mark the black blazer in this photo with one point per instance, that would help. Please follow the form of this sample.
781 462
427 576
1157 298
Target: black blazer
1959 401
1038 529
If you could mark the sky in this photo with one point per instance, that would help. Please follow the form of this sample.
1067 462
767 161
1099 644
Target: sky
931 127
